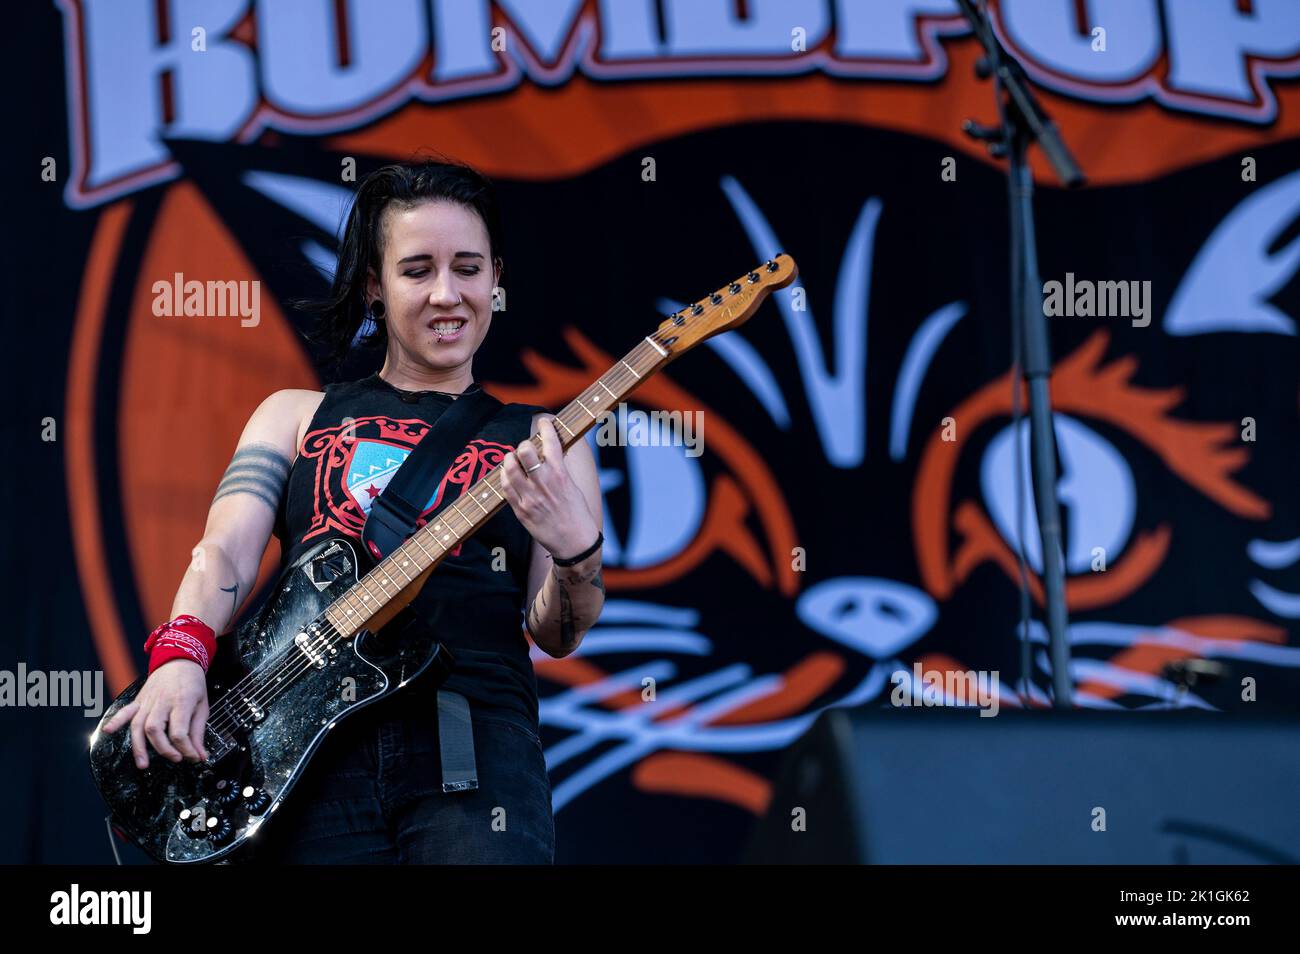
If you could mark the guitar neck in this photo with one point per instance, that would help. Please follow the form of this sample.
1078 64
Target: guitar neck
396 579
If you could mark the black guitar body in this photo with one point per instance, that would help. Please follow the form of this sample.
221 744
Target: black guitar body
259 743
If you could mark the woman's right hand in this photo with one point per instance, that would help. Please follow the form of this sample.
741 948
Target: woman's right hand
171 710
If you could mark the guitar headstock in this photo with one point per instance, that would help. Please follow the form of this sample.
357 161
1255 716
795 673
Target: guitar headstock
728 307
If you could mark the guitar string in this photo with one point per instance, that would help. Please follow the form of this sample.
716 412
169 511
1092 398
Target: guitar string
274 682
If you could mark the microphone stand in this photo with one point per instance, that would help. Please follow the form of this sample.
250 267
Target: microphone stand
1024 123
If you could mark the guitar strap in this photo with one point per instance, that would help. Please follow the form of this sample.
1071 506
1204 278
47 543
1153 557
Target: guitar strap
393 517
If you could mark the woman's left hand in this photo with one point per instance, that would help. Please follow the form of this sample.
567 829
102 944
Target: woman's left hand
545 498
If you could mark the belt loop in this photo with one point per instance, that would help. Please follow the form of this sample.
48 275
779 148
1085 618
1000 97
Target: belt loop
456 742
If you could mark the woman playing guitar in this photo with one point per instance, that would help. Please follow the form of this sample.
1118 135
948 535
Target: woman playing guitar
418 265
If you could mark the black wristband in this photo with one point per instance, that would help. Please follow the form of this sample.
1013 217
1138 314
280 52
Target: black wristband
600 538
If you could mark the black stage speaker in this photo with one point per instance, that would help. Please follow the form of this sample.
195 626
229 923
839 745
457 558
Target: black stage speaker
945 786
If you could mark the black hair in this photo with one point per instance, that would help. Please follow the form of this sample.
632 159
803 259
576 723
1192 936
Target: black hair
402 185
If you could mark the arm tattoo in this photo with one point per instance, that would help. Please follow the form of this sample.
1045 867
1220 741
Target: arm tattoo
570 624
568 630
574 577
257 469
234 597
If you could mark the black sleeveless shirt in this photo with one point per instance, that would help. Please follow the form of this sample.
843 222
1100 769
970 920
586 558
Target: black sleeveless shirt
473 607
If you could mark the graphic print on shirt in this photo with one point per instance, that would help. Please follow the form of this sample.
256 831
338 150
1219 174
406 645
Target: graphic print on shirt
356 459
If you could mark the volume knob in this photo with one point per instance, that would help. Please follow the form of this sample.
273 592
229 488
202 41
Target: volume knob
256 800
220 830
229 792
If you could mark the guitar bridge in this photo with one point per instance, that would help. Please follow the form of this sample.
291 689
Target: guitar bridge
315 656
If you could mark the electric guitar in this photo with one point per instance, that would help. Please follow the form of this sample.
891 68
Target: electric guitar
337 634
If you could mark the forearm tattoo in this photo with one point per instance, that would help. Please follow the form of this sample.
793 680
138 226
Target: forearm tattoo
257 469
570 622
233 590
568 631
572 576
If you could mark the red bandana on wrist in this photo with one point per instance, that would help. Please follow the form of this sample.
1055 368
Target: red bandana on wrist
185 637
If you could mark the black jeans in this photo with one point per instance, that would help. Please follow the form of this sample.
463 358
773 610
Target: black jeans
373 794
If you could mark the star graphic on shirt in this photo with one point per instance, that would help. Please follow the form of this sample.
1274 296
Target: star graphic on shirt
373 491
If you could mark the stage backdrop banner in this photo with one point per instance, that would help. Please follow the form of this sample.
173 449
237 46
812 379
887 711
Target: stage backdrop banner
845 506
